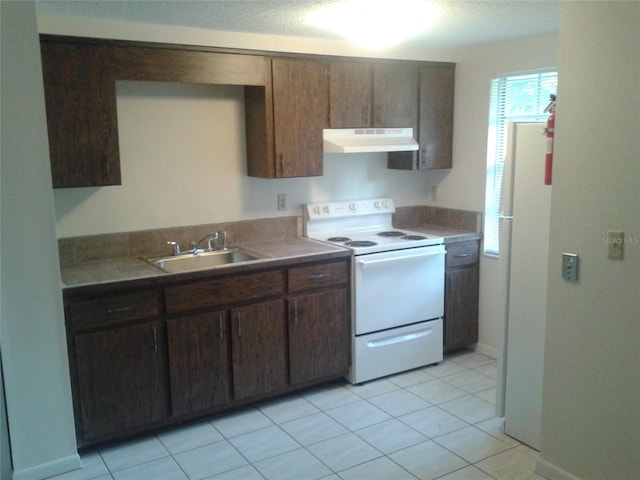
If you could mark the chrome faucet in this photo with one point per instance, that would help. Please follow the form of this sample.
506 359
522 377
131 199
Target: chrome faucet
212 244
176 248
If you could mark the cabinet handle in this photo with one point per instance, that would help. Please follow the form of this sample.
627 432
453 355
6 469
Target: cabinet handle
281 164
119 310
220 331
155 340
462 255
239 325
318 276
295 312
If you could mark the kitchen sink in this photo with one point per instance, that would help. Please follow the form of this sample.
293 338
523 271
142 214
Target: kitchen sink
201 261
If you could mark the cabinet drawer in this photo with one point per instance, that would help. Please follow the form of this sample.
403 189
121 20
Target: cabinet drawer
113 310
215 293
462 253
318 276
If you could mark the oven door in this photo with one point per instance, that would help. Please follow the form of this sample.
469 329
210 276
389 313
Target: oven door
397 288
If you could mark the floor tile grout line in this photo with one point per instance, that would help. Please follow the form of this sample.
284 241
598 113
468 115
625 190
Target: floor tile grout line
266 458
510 447
112 471
385 455
349 431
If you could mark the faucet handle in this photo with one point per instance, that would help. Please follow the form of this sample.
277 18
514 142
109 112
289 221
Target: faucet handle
176 247
222 234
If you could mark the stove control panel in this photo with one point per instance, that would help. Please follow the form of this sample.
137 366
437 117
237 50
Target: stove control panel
316 211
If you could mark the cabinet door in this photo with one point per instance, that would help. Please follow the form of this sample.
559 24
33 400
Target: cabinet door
395 96
350 94
121 379
461 307
198 362
259 349
319 336
435 134
80 97
300 110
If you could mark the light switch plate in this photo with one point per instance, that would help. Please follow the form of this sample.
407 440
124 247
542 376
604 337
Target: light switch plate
282 202
615 245
570 267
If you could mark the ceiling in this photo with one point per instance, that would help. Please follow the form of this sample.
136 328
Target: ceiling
461 22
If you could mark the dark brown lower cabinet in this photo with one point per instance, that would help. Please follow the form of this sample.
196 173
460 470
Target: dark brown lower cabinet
259 346
199 362
461 295
142 359
121 379
319 336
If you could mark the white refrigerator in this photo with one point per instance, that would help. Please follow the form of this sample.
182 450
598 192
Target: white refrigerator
523 263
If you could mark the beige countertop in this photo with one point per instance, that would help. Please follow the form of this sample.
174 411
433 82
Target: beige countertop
271 254
449 234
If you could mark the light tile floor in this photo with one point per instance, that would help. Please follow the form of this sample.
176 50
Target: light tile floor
434 422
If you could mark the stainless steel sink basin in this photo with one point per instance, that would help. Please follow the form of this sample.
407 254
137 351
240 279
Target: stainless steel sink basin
190 262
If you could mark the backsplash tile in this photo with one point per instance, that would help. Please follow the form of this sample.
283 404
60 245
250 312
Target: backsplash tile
79 250
442 217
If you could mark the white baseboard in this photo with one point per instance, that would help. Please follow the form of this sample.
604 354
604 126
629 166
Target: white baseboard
550 471
49 469
487 350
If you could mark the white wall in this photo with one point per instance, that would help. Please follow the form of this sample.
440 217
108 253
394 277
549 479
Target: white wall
34 361
463 187
591 400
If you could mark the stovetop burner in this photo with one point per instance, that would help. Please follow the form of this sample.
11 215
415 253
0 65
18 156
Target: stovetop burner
338 239
361 243
391 233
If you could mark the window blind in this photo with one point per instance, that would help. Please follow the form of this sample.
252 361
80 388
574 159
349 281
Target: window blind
514 98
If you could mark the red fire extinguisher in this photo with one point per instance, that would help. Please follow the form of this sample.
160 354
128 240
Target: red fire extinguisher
549 131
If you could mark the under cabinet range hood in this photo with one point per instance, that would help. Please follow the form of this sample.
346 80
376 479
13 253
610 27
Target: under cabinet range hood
365 140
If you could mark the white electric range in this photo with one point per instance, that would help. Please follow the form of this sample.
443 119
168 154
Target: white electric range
397 285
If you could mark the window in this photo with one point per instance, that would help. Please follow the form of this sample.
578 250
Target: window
515 98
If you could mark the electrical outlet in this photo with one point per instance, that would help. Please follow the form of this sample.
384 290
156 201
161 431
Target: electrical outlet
282 202
615 245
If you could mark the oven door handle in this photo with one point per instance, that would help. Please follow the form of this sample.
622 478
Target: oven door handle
363 263
398 339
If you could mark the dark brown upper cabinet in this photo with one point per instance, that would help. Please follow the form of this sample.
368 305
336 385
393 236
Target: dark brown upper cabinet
288 101
285 119
435 130
80 98
188 66
395 95
365 94
350 90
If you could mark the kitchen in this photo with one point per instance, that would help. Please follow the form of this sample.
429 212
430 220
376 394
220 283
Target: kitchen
472 73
